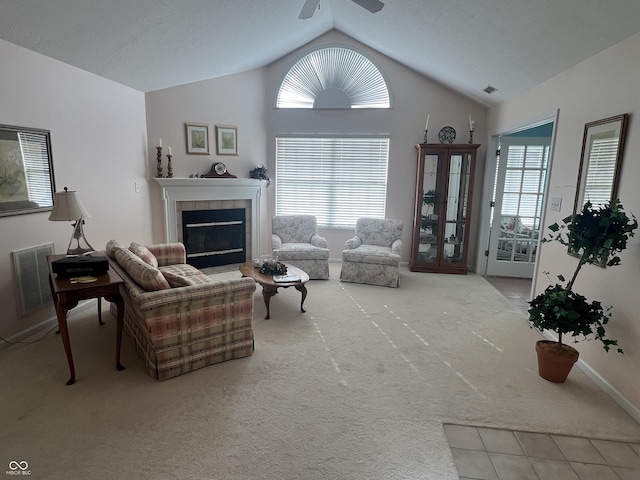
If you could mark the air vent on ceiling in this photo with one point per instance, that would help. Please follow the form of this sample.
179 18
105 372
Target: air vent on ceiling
490 89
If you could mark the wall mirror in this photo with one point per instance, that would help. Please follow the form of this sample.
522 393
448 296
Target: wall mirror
602 147
26 171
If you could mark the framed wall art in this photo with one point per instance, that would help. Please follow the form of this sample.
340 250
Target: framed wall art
600 162
197 138
26 171
227 140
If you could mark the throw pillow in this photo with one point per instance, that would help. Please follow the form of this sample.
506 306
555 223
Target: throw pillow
144 253
148 277
112 246
176 280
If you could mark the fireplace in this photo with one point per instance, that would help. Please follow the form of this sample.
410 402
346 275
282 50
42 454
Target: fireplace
214 237
181 195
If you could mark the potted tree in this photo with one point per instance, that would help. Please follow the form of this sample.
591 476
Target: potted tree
595 236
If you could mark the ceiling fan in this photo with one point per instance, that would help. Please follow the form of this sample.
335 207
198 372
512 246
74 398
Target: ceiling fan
310 6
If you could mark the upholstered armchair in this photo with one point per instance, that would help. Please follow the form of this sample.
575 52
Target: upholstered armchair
294 240
372 256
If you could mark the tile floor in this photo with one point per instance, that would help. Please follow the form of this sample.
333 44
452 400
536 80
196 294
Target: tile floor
495 454
518 290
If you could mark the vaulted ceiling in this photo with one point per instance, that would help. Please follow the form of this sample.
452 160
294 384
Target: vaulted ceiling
467 45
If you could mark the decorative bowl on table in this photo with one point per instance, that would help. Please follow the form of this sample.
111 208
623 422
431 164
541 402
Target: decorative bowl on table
271 266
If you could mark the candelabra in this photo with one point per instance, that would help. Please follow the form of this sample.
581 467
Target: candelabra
424 140
159 156
169 168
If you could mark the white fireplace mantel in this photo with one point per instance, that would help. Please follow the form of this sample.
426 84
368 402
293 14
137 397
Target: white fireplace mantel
176 190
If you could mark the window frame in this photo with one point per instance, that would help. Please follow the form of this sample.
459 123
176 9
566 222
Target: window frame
325 187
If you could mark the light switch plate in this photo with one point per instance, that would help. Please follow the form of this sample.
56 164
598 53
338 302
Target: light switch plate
556 204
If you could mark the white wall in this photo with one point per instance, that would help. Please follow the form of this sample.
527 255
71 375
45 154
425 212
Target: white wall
236 100
413 96
98 140
602 86
247 100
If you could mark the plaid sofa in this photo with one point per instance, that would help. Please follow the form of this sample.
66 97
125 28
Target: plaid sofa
178 318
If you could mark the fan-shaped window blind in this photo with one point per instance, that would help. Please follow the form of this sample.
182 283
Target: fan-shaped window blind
333 77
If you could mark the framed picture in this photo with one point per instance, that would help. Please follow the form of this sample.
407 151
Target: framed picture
26 171
197 138
227 140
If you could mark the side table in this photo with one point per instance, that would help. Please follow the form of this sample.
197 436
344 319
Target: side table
66 293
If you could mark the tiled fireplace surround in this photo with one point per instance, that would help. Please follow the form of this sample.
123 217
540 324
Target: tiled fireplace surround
184 194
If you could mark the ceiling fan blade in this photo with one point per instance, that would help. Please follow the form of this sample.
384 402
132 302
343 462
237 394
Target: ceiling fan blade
372 5
308 9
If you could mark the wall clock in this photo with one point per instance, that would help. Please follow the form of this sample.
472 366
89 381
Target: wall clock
447 135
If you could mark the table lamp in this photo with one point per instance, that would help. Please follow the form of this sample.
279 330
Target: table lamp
67 207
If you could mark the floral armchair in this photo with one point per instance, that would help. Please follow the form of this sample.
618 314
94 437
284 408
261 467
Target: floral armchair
294 240
373 255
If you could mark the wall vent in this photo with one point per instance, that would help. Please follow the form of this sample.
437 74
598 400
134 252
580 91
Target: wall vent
32 276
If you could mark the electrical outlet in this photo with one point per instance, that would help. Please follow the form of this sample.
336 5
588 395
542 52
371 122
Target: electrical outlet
556 204
137 187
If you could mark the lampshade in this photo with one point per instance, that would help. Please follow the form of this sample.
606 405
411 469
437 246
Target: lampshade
67 207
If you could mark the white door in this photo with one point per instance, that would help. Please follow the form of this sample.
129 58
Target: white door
519 192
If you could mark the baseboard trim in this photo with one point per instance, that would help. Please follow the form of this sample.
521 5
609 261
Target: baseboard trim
44 325
620 399
617 397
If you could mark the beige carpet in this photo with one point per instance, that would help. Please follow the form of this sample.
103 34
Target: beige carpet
356 388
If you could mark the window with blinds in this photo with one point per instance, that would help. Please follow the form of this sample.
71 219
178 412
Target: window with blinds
524 182
333 77
337 179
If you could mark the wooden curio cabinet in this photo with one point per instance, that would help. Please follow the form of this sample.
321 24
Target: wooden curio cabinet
444 188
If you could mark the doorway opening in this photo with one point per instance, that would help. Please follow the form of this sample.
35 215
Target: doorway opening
517 204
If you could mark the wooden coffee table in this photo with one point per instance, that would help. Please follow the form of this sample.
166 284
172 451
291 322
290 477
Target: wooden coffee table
270 287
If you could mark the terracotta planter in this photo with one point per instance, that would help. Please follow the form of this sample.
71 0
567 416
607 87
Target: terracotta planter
555 360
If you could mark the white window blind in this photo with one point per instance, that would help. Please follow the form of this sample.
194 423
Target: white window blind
328 70
337 179
36 165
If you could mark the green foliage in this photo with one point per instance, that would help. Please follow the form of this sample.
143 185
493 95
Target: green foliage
429 197
595 236
569 313
260 173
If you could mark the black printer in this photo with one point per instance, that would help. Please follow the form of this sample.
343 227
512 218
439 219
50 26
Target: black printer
83 265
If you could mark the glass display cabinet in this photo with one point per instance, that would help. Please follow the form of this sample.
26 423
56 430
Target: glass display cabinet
444 189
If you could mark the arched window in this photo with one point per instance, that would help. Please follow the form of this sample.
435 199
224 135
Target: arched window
336 78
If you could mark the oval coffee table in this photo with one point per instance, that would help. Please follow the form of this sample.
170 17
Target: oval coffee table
270 286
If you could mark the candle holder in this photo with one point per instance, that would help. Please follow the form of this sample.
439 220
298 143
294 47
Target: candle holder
424 140
159 174
470 136
169 168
